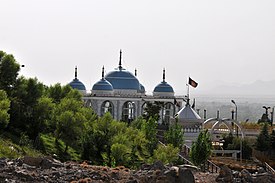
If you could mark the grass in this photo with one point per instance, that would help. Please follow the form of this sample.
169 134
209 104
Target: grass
8 149
50 147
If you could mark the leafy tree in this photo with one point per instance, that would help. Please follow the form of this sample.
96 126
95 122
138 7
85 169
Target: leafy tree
4 107
175 135
263 140
166 154
152 110
97 136
9 69
133 150
228 139
43 113
246 147
58 92
24 99
70 118
150 130
201 149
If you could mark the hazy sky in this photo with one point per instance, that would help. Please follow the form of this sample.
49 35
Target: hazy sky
211 40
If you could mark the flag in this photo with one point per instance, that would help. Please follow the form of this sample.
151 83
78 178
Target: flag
192 83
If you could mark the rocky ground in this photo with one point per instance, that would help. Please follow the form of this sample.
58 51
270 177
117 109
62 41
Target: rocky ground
41 170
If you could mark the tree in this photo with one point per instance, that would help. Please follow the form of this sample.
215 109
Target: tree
58 92
246 147
9 69
24 99
228 139
4 108
150 130
70 118
152 110
263 140
201 149
175 135
165 154
43 113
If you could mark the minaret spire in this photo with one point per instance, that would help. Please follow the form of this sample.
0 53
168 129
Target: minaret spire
75 72
102 72
163 76
119 65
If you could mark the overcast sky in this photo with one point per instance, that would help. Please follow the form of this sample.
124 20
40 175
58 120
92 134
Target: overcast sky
212 41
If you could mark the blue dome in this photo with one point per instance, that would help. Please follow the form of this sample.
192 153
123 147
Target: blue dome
163 87
76 84
123 80
103 84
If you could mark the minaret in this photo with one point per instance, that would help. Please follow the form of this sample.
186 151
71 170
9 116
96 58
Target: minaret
119 65
102 72
163 76
75 72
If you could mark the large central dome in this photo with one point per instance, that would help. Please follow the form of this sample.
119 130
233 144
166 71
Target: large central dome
122 79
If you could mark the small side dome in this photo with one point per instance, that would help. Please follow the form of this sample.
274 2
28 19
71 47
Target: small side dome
102 87
76 84
103 84
163 89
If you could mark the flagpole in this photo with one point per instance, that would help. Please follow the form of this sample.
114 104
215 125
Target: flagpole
188 91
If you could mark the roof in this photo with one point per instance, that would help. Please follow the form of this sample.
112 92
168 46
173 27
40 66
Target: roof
122 79
76 84
103 84
187 113
163 87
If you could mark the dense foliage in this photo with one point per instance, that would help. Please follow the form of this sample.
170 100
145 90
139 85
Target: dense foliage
201 149
175 135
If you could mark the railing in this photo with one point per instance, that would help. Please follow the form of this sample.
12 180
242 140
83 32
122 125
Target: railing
186 161
210 166
269 169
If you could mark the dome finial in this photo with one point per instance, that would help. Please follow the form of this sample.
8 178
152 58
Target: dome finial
120 55
136 72
163 77
75 72
103 72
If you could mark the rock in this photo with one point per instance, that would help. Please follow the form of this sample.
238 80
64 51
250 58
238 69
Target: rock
158 165
191 167
246 176
261 170
185 176
47 164
32 161
3 162
171 174
225 175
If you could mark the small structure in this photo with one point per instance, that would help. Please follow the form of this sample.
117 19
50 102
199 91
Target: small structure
191 123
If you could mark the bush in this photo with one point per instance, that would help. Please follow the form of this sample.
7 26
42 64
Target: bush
165 154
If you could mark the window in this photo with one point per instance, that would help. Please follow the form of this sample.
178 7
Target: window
107 106
128 112
167 112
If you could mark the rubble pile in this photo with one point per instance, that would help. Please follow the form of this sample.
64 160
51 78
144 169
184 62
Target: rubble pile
47 169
